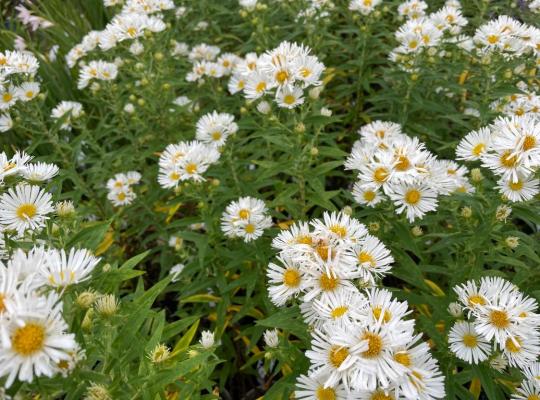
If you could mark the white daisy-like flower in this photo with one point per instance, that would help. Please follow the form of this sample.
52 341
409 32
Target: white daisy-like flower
415 199
474 145
246 218
313 388
523 189
214 128
34 339
39 172
374 259
67 111
122 197
367 194
25 207
529 390
290 97
6 123
286 280
467 344
61 269
8 97
27 91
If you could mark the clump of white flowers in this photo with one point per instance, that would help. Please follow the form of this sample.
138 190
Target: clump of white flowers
245 218
185 161
362 344
365 7
120 188
421 32
100 70
394 166
527 102
17 84
35 339
134 21
206 62
510 148
67 112
214 128
499 321
285 72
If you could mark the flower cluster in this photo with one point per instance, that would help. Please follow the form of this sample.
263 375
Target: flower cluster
510 147
120 188
421 32
288 70
365 7
499 319
361 345
100 70
67 112
214 128
185 161
245 218
316 9
35 341
392 165
507 36
130 23
527 102
24 207
206 62
17 72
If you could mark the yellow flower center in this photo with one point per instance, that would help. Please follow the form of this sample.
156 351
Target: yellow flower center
324 251
508 160
375 345
516 186
325 393
261 86
29 94
413 44
403 163
369 195
304 239
63 364
121 196
339 311
339 230
403 358
492 39
476 300
377 311
305 72
289 99
244 213
291 278
250 228
216 135
191 168
365 257
26 211
380 175
28 339
282 76
499 319
412 196
513 346
478 149
328 282
529 142
2 304
338 355
368 3
131 31
174 176
469 340
7 97
380 395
